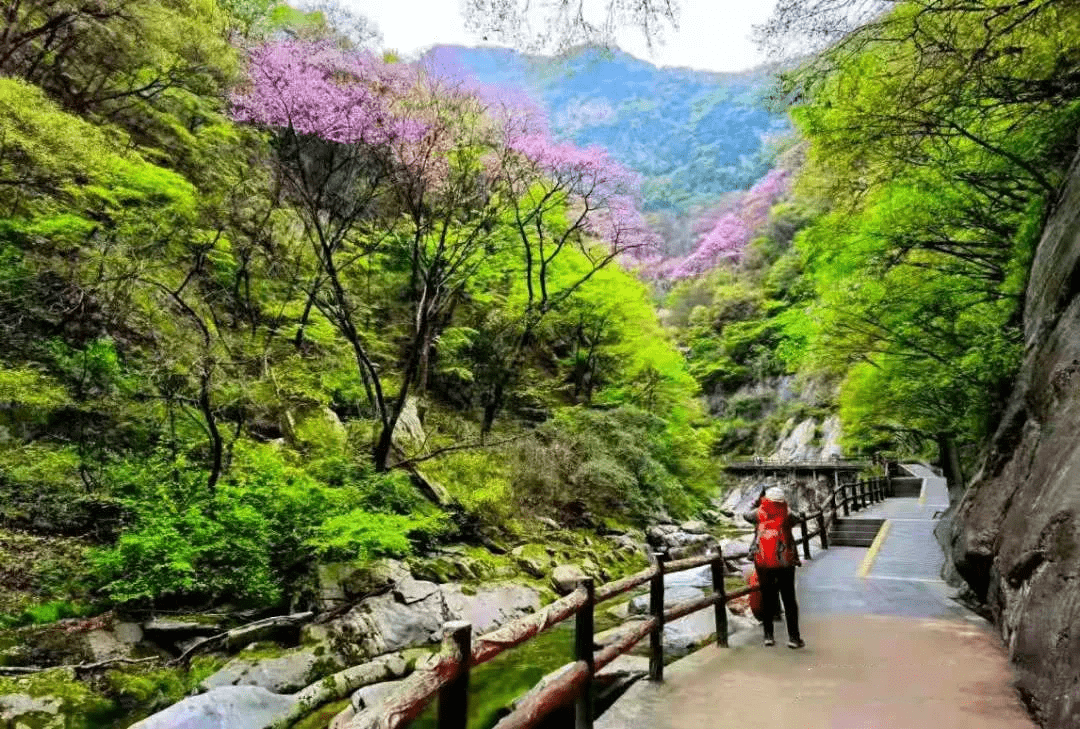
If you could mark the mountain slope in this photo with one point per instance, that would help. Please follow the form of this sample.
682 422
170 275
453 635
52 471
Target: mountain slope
693 135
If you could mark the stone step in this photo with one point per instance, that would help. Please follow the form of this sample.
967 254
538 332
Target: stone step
849 532
850 542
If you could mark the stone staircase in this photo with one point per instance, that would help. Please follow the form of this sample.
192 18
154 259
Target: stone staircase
909 487
854 532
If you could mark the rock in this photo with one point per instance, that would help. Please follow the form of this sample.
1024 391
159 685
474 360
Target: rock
749 497
710 516
731 500
128 633
282 674
1014 537
832 432
566 577
410 590
230 707
369 696
625 542
491 606
409 430
734 549
381 624
549 523
694 527
533 559
104 645
672 595
342 582
20 710
176 628
620 611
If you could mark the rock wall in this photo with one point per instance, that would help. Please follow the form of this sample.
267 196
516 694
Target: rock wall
1015 535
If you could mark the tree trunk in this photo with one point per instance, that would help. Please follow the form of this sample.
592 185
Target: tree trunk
949 460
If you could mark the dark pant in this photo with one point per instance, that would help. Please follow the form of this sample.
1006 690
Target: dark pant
779 582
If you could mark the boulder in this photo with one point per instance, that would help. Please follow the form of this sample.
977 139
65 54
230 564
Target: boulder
342 582
281 674
22 710
566 577
369 696
672 595
381 624
103 645
491 606
694 527
229 707
735 550
411 590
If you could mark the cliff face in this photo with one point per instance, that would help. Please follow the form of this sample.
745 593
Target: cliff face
1015 536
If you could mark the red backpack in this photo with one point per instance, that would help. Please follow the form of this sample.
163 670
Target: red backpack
774 545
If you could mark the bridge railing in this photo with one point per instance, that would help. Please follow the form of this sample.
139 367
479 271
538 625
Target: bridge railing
823 464
446 678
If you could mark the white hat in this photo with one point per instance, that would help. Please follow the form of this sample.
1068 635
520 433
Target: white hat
775 493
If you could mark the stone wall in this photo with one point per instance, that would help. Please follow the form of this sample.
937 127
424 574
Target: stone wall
1015 536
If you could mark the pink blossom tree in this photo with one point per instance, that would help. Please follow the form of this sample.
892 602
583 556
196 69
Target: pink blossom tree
390 157
728 237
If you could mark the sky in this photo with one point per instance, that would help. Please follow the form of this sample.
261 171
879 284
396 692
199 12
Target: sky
713 35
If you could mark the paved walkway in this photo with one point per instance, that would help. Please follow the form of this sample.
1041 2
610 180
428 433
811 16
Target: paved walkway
890 650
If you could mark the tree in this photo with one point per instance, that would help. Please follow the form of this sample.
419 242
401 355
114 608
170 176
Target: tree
556 25
384 159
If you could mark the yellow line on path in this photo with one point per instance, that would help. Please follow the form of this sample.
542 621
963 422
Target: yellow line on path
872 553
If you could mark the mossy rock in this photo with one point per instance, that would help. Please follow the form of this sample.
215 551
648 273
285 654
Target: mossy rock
54 699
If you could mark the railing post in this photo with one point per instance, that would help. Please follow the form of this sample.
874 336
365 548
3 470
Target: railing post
454 695
821 530
583 651
720 608
864 500
844 499
656 609
805 539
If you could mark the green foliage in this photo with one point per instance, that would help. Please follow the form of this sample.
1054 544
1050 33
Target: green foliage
255 533
624 462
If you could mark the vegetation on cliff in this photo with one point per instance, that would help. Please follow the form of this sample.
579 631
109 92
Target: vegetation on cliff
233 349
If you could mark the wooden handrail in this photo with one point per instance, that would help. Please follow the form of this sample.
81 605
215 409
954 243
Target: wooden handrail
517 632
626 584
447 676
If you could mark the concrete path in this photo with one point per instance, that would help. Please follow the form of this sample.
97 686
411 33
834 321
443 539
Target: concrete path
888 650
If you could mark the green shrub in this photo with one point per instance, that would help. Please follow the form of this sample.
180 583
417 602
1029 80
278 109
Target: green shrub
260 529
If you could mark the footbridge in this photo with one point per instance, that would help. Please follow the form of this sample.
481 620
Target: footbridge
886 645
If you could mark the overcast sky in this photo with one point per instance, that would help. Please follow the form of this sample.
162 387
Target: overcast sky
713 34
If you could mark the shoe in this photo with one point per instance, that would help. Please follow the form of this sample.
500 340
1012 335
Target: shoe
796 643
770 641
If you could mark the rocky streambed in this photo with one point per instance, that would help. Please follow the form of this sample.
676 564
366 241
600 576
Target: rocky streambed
367 629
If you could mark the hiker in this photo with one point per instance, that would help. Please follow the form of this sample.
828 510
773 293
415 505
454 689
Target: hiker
775 559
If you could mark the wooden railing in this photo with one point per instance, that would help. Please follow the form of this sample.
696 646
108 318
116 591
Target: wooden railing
447 677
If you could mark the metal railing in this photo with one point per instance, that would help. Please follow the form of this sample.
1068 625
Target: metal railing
447 677
823 464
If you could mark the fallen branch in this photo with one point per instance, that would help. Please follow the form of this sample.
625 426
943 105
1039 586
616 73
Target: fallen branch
247 633
77 668
341 685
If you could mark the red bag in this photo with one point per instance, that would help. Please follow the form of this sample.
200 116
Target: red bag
774 545
755 596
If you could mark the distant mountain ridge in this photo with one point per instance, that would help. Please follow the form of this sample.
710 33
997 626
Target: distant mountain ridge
692 135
